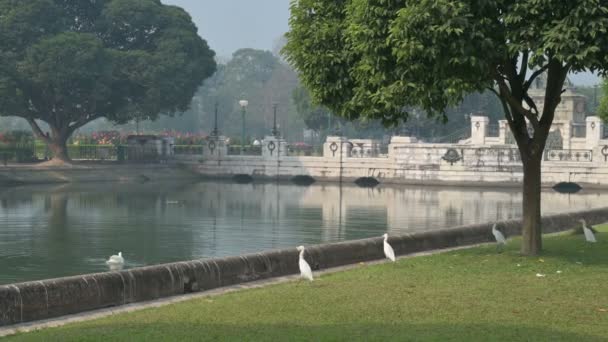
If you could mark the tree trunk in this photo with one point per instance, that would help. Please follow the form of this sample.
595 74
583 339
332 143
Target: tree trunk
58 145
532 230
56 141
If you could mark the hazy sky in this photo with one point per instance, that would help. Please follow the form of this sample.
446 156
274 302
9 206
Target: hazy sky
228 25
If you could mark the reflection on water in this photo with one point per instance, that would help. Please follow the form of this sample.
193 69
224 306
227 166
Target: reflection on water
71 229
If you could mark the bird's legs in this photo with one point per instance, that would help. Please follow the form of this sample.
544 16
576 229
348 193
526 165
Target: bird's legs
499 248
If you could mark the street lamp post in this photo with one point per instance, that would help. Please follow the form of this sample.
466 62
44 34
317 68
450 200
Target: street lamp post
417 116
243 104
275 131
215 132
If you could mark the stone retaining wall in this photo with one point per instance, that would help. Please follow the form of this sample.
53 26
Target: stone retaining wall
91 173
57 297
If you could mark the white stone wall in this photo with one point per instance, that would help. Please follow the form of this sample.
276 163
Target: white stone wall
410 161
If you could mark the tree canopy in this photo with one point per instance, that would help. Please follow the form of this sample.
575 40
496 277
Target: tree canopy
376 58
67 63
257 76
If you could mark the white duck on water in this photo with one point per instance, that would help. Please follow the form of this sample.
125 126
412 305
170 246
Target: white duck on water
116 260
305 270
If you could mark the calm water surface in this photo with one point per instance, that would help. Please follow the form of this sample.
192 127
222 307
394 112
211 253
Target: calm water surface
52 231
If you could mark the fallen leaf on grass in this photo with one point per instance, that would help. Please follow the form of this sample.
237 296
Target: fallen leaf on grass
602 310
540 275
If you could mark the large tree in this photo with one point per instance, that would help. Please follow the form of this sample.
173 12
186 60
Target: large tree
66 63
316 118
374 58
257 76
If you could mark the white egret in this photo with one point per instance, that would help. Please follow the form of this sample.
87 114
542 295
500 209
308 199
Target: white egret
498 235
589 236
389 253
116 261
305 270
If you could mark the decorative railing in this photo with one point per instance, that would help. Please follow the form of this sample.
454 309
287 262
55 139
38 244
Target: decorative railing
188 150
363 151
247 150
569 155
508 155
304 151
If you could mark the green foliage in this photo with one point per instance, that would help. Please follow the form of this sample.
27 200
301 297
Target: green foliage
602 110
466 295
375 58
315 117
67 63
380 59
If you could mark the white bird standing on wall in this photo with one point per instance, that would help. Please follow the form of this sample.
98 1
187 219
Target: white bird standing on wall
116 261
500 238
389 253
305 270
589 236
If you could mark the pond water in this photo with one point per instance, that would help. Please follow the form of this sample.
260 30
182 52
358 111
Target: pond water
61 230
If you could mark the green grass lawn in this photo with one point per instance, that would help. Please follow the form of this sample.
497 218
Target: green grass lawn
474 294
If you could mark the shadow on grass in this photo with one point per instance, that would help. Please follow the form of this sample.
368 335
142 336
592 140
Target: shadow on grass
180 331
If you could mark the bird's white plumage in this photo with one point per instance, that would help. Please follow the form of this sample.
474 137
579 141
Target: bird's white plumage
589 236
116 260
388 250
500 238
305 270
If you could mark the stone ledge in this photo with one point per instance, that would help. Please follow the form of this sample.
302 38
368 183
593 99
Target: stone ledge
45 299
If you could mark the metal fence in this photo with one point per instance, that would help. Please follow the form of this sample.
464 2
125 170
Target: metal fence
188 149
81 152
27 153
248 150
17 153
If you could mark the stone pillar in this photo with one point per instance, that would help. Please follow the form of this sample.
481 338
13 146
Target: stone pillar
168 147
479 129
336 146
273 147
215 148
503 131
595 129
